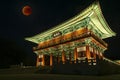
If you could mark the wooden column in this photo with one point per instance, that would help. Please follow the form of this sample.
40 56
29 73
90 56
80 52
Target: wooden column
58 58
88 52
94 53
70 59
100 55
51 59
63 57
43 60
75 55
37 61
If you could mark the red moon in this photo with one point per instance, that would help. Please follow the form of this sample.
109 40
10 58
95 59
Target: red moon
27 10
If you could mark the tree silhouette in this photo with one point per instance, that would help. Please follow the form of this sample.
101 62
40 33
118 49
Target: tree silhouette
10 53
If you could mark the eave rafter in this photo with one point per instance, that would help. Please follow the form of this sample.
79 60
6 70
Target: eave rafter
90 16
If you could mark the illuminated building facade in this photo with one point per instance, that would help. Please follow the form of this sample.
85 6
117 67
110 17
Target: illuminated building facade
77 40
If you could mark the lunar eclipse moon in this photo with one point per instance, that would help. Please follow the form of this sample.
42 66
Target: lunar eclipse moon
27 10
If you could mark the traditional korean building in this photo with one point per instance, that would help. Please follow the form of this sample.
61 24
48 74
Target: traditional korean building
77 40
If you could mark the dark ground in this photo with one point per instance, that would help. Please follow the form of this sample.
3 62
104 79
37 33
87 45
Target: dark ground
56 77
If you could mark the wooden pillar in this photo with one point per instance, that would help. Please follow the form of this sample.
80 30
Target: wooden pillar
94 53
75 55
37 61
63 57
88 53
58 58
51 59
70 59
43 60
100 55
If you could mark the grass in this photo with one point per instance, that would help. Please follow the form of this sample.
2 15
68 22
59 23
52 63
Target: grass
56 77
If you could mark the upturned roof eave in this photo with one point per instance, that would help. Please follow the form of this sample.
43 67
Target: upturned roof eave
85 13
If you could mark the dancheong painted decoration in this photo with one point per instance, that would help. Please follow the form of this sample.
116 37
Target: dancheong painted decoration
77 40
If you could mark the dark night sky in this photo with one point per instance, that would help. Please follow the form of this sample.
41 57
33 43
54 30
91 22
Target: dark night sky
46 14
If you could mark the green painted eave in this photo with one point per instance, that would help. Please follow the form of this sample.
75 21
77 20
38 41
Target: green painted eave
91 16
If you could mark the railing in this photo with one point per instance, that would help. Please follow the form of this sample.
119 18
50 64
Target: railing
111 61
